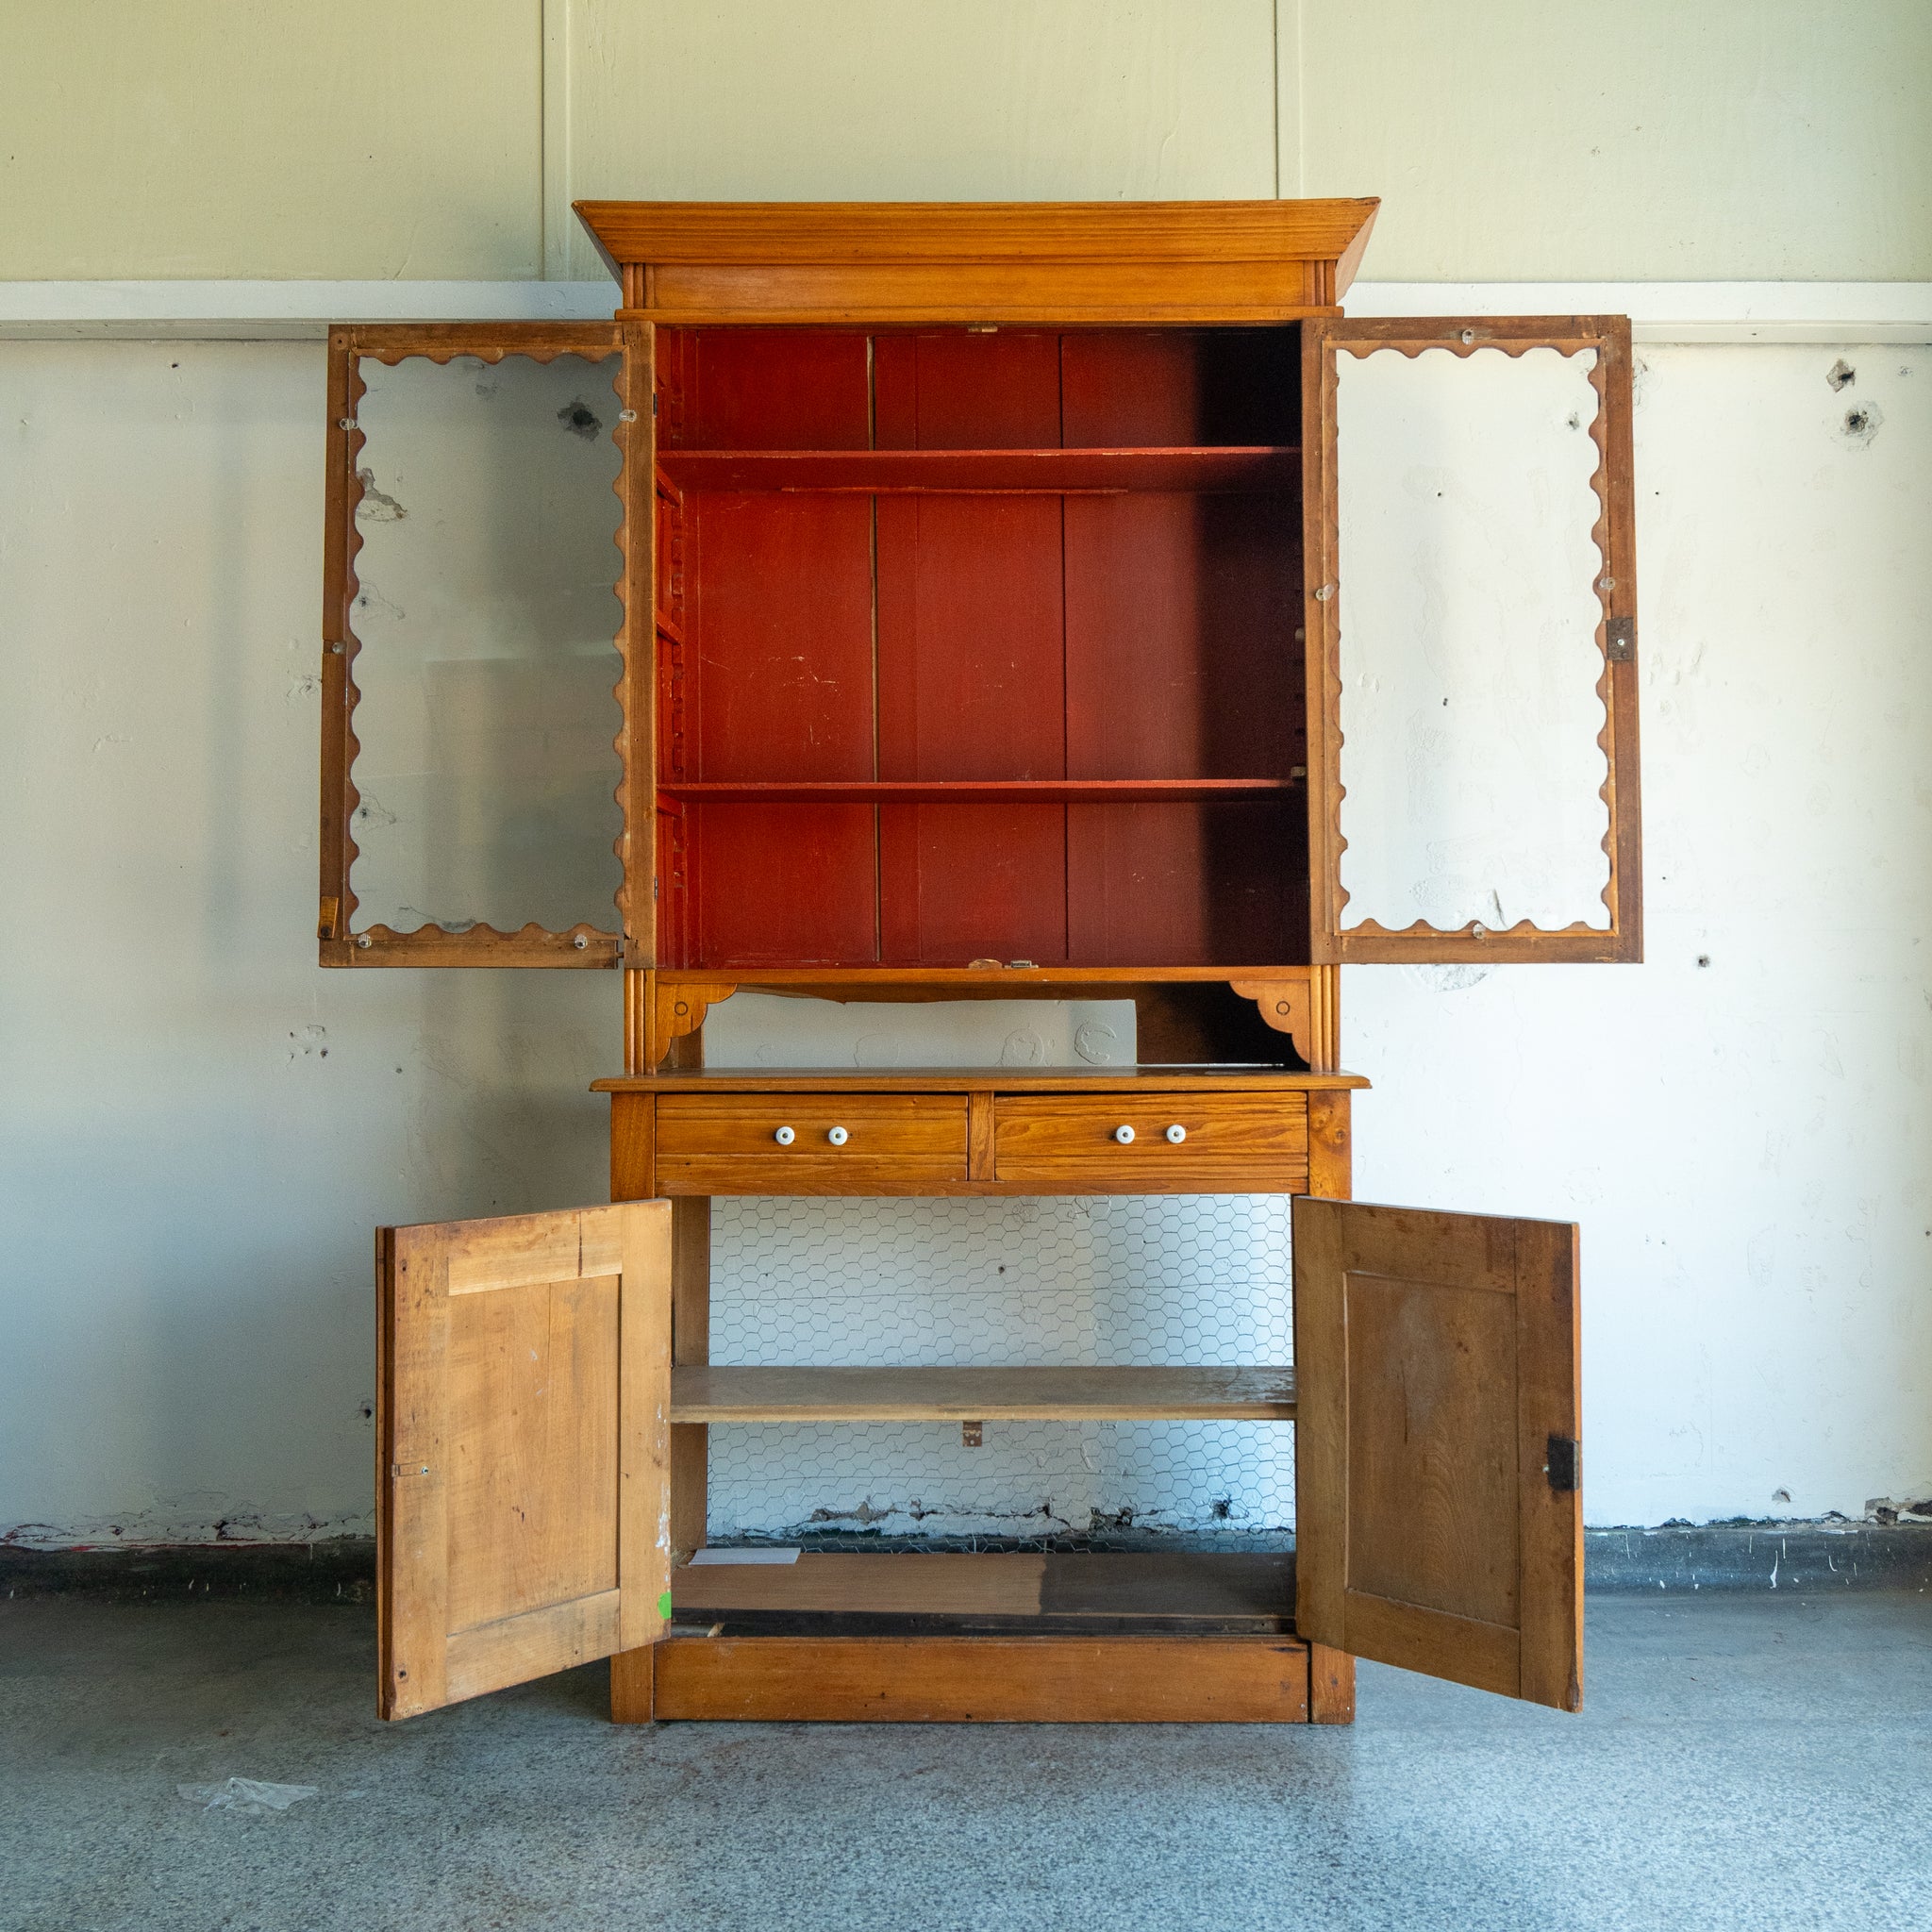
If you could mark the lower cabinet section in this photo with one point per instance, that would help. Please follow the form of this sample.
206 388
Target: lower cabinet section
1012 1637
544 1394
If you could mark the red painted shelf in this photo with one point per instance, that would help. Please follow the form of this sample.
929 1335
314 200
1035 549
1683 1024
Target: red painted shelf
981 791
1259 469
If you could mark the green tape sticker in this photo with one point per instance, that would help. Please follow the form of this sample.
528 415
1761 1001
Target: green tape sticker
664 1605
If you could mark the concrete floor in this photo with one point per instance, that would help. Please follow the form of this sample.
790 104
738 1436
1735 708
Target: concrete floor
1761 1761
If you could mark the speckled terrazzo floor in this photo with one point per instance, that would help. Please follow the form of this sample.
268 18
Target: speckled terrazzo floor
1748 1763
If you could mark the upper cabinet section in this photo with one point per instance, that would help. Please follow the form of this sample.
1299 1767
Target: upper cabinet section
909 589
1472 640
974 646
473 646
981 261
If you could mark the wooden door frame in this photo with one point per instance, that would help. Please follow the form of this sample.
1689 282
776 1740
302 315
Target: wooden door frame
1614 535
582 945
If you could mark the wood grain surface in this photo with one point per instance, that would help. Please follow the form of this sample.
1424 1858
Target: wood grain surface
523 1491
715 1394
983 1679
1438 1356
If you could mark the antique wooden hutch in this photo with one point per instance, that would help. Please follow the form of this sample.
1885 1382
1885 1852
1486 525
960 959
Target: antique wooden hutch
992 605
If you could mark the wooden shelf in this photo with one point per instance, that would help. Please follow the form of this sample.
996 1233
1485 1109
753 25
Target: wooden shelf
1254 469
710 1394
977 791
995 1589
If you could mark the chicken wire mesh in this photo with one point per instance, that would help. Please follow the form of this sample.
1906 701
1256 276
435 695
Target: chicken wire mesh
1053 1281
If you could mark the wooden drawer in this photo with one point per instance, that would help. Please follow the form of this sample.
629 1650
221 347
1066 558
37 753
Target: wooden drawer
1230 1140
728 1143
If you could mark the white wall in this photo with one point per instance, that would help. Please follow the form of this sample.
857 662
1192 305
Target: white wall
1746 1142
200 1128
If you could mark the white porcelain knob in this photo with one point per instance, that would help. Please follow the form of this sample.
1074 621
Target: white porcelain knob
785 1136
1125 1135
1176 1133
838 1137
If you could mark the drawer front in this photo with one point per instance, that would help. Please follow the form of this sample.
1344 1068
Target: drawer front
1231 1140
730 1143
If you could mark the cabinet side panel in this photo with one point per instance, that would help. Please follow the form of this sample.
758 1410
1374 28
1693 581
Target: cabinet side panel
780 686
637 744
971 685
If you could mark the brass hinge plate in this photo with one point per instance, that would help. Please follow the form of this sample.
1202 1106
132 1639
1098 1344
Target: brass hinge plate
1619 644
1564 1466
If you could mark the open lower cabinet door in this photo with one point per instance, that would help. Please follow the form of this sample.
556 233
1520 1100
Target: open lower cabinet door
523 1491
1438 1518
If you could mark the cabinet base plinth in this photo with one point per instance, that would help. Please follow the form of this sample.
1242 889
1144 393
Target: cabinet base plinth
966 1680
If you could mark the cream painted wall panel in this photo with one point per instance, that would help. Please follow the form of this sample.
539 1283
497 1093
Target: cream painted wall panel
223 137
907 100
1557 140
1755 138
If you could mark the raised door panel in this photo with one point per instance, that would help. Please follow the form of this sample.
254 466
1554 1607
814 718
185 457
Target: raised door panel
1471 630
523 1519
1438 1518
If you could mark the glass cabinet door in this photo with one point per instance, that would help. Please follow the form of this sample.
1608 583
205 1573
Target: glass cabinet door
1471 631
477 643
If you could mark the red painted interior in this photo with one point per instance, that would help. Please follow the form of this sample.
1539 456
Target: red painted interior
858 652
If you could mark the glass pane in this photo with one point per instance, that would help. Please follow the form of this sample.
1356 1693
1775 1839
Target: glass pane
753 1029
488 615
1472 777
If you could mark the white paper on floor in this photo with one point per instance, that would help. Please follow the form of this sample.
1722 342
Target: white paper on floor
247 1794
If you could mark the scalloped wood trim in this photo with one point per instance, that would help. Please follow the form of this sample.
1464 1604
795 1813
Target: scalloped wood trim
583 945
480 946
1306 1008
680 1008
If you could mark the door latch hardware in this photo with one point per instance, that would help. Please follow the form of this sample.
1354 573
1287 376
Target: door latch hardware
1565 1464
1619 644
398 1471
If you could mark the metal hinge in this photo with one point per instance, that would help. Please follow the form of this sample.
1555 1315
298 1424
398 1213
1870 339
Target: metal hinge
399 1470
1619 645
1564 1467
